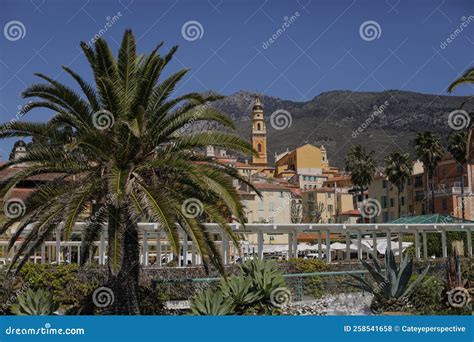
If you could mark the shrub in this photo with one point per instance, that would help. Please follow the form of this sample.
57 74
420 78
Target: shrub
426 297
151 300
307 265
63 281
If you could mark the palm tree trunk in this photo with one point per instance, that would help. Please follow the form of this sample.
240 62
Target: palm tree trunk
432 192
125 284
463 210
398 201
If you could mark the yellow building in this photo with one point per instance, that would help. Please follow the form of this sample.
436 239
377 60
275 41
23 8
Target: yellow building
411 196
325 205
259 134
305 165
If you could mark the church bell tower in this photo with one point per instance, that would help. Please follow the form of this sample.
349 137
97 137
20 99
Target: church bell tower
259 134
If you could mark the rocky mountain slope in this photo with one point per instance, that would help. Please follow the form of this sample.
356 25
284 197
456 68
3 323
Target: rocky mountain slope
383 121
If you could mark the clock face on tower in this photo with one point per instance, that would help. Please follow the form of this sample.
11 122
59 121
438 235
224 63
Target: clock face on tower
259 134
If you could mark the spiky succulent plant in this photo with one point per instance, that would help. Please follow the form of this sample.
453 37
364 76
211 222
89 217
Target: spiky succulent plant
35 303
390 286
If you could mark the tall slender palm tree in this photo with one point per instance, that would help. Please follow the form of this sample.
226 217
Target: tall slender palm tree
128 151
398 168
362 165
429 150
458 148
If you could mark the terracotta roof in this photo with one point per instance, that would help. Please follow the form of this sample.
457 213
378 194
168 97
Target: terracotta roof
323 189
12 171
355 212
245 166
21 194
270 186
338 178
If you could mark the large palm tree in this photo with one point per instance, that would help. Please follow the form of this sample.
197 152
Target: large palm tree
458 148
398 169
429 150
362 165
123 144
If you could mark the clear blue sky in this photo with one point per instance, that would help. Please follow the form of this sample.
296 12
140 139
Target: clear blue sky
321 50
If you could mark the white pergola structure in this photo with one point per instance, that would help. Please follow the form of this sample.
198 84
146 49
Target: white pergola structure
153 241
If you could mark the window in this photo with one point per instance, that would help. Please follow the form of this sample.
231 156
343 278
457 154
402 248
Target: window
259 147
282 194
384 183
391 203
311 196
260 205
258 126
384 202
445 204
385 216
270 206
329 194
418 181
402 200
419 196
330 208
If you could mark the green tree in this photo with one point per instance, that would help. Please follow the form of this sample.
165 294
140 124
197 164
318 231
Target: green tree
429 150
457 146
362 165
128 150
398 169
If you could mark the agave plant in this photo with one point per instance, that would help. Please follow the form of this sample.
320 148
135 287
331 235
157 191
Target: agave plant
240 290
257 289
265 276
35 303
390 287
212 303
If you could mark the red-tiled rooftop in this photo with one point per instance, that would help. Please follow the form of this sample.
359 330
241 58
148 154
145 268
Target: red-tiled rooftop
355 212
270 186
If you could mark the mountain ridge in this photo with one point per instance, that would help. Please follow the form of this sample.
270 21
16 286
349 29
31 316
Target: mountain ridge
388 120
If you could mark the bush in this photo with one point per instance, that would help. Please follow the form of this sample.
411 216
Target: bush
151 300
307 265
63 281
426 298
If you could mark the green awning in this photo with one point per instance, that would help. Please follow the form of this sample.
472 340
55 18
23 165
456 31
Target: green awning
436 218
